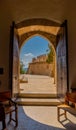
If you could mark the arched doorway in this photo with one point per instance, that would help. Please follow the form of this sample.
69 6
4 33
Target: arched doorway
57 35
41 65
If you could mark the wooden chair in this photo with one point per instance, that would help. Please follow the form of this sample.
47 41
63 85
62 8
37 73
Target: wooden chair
7 106
68 106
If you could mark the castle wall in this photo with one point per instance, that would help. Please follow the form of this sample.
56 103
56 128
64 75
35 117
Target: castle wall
41 68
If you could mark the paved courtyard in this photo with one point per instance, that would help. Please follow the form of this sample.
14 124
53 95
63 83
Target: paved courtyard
37 84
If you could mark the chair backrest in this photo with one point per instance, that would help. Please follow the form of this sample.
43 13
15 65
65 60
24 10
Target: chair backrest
5 95
71 97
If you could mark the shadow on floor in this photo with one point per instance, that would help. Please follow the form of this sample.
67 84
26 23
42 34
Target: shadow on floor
68 124
27 123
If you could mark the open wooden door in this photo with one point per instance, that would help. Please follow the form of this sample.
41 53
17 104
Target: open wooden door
62 61
14 61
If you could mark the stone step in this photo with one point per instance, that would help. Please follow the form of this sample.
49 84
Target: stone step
37 95
38 102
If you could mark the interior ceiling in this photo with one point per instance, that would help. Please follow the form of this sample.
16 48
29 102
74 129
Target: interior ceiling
20 10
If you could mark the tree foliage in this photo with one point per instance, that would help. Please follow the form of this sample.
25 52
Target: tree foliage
50 54
22 71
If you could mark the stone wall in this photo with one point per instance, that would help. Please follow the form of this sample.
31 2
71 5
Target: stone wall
41 68
41 58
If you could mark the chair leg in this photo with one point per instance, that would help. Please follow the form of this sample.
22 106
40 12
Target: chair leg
10 115
58 114
16 117
65 114
3 124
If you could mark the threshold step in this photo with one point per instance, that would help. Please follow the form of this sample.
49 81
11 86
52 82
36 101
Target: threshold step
37 95
38 102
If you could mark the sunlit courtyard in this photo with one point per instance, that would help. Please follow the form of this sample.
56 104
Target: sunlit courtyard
37 84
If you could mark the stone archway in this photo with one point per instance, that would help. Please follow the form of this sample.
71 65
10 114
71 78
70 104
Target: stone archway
45 31
51 39
51 31
46 28
38 69
56 34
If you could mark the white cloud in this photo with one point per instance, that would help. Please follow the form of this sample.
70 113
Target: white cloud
27 58
29 54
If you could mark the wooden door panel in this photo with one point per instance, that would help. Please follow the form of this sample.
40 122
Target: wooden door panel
15 74
14 61
61 62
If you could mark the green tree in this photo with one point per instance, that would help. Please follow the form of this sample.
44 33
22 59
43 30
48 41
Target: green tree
22 71
50 54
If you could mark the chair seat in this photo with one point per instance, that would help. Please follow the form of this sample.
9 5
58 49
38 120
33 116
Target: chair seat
67 108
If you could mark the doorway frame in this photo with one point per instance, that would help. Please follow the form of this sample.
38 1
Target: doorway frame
36 21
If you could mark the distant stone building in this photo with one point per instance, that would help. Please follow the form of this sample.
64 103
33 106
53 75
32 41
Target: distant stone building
39 66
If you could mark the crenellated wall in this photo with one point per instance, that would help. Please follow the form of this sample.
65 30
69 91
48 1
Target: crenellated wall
39 66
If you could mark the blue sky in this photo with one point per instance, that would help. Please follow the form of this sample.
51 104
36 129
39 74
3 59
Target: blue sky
33 47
